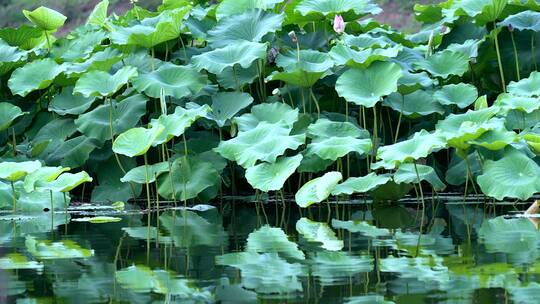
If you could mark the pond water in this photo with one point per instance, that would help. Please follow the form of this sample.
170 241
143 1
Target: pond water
250 253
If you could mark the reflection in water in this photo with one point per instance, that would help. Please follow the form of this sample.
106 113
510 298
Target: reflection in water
247 254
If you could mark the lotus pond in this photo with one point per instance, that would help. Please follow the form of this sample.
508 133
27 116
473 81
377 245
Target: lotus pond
123 142
251 252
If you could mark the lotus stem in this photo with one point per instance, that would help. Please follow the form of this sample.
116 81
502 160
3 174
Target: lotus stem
152 60
147 186
48 42
516 60
533 42
348 156
236 79
399 119
183 48
14 141
303 100
423 207
316 103
499 60
52 210
375 131
14 197
65 213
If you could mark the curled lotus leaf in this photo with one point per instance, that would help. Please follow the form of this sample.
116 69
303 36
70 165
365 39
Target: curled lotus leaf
318 189
45 18
361 184
445 64
14 171
42 175
242 53
65 182
8 114
495 139
507 102
272 176
136 141
513 176
98 16
173 80
483 11
527 87
406 173
367 86
175 124
526 20
333 148
272 113
144 174
265 142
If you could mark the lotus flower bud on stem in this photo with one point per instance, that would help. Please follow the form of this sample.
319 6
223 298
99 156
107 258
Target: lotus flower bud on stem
339 24
293 37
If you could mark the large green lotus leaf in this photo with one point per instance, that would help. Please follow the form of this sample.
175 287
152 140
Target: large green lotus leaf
318 189
101 84
143 174
313 65
136 141
344 55
173 80
324 128
125 114
508 102
241 53
509 235
79 45
25 37
272 176
229 8
10 53
319 233
527 87
367 40
419 146
98 16
526 20
37 75
102 61
334 268
311 163
362 227
483 11
47 250
8 113
65 182
45 18
410 82
406 173
230 78
496 139
322 9
267 274
444 64
514 176
272 113
459 129
72 153
68 103
418 103
469 47
151 31
42 175
225 105
52 135
12 171
33 202
461 95
273 240
361 184
265 142
336 147
457 169
176 123
252 25
189 178
365 87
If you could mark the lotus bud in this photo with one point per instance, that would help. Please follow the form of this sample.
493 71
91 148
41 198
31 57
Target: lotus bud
293 37
444 29
272 55
339 24
510 28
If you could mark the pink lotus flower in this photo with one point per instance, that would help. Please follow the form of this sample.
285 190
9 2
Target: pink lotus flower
339 24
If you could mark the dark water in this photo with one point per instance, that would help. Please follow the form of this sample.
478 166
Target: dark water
251 254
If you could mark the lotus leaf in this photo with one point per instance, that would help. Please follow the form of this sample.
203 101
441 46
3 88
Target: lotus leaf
414 105
47 250
303 72
8 113
72 153
42 175
362 227
13 171
444 64
176 124
406 173
336 267
103 84
526 87
361 184
515 176
495 139
172 80
272 176
65 182
98 219
483 11
68 103
461 95
18 261
231 77
366 87
45 18
515 235
265 142
225 105
526 20
321 9
137 141
229 8
243 53
508 102
344 55
318 189
273 240
139 174
37 75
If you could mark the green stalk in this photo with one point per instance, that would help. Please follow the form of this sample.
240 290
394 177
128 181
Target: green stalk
423 207
399 119
148 207
375 131
499 60
533 42
316 103
14 141
48 42
516 60
14 197
236 79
